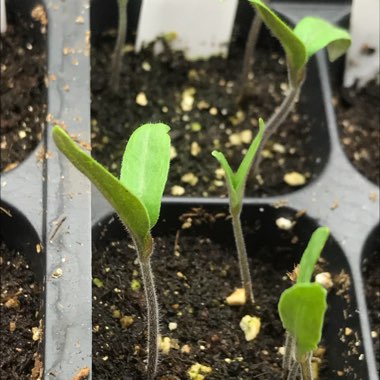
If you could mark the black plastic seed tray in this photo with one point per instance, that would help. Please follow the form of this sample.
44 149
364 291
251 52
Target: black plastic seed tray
50 202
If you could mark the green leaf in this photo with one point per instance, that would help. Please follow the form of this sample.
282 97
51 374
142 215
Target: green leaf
294 48
145 166
246 164
131 211
312 253
230 176
302 309
236 181
317 34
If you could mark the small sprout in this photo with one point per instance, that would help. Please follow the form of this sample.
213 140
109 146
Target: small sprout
237 298
302 309
136 197
199 371
97 282
236 183
250 326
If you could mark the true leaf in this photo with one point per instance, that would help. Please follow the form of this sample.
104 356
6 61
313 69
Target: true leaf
236 181
294 48
312 254
246 164
131 211
317 34
230 176
145 166
302 309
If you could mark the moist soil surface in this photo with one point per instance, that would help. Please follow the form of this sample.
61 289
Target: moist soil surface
359 123
198 101
372 288
193 276
23 91
19 306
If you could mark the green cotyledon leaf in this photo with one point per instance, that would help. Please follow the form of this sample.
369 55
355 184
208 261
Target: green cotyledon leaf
302 310
295 49
312 253
317 33
130 209
145 166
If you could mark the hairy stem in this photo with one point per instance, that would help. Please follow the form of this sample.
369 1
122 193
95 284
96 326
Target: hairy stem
307 374
248 60
118 50
288 355
294 370
242 255
153 318
276 120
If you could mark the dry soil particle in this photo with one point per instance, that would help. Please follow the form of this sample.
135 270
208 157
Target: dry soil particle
22 90
198 100
19 306
193 277
359 123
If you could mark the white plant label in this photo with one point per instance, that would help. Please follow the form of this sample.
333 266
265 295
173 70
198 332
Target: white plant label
202 28
362 60
3 17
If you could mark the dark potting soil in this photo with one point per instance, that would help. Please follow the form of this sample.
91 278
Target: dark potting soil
193 276
20 318
371 273
23 91
197 100
359 123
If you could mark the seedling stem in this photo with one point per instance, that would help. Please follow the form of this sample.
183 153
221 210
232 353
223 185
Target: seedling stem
117 55
276 120
242 254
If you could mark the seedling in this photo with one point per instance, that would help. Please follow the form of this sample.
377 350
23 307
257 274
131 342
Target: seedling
302 309
309 36
236 188
136 197
117 55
